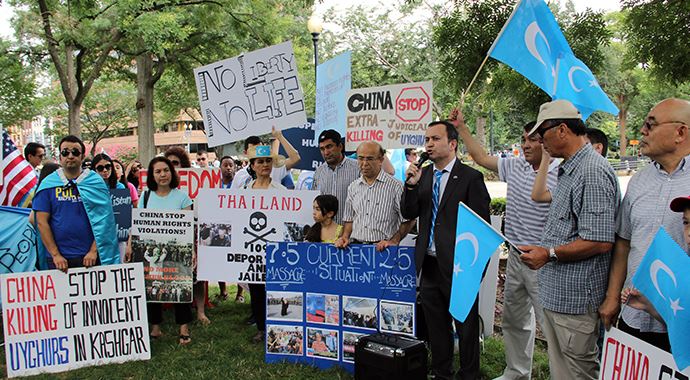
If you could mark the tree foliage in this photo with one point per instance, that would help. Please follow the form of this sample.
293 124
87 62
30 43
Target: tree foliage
17 86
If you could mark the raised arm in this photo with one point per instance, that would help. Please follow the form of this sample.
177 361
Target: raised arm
473 146
293 155
540 192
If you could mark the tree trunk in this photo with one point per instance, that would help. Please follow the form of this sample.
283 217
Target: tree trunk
480 131
145 127
623 119
74 108
74 119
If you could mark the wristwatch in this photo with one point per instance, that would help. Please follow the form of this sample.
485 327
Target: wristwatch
552 254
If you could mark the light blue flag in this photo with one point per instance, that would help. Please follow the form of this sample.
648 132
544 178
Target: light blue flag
532 43
333 81
398 161
475 242
662 278
18 240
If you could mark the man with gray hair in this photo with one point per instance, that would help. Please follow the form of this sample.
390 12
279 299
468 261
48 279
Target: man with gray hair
574 253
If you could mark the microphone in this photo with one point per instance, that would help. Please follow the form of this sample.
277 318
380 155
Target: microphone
424 157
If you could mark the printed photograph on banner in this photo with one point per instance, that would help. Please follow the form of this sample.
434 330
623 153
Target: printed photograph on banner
323 343
285 306
285 340
215 234
397 316
349 343
294 231
359 312
323 308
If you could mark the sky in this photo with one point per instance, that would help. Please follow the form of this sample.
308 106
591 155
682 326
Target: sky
6 11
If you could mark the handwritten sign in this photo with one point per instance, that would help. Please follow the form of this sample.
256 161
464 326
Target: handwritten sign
191 180
236 225
56 322
322 299
164 241
395 116
333 80
248 94
122 208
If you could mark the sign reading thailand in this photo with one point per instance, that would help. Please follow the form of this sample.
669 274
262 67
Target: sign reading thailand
248 94
191 180
626 357
236 225
320 299
164 241
122 208
55 321
395 116
333 81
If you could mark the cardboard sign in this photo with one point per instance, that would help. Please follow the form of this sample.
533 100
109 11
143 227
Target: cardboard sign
191 180
55 321
164 241
303 139
248 94
122 208
626 357
395 116
320 299
236 225
333 81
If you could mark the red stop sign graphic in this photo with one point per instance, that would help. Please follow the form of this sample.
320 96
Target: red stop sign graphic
413 104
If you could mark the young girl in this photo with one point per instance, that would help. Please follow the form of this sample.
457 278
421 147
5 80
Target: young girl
325 230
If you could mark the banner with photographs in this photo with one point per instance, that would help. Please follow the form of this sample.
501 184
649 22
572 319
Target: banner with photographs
236 225
164 241
55 321
320 299
122 208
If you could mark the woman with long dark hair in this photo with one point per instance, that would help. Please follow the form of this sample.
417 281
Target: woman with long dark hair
103 165
120 173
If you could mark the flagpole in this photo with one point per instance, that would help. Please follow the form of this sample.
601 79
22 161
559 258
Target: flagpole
493 45
490 226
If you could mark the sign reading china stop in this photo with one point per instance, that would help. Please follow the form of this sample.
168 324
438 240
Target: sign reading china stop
412 104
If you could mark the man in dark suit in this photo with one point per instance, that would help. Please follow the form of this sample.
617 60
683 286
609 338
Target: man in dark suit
433 194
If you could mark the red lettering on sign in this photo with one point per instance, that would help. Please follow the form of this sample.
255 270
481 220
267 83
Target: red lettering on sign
412 104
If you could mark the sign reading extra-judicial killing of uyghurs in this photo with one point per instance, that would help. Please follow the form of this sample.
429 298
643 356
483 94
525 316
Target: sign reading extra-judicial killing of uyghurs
249 94
236 225
55 321
394 116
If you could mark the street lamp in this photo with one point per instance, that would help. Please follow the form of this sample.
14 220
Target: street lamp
187 133
315 27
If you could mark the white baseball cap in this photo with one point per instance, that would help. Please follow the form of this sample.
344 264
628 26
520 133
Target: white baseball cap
557 109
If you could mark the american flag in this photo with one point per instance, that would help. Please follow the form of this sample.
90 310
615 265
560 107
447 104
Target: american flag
18 177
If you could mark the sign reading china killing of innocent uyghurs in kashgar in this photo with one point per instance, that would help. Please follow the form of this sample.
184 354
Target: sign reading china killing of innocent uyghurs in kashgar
55 321
236 225
394 116
249 94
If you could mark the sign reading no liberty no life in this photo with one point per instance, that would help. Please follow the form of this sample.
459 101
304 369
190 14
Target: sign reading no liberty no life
56 321
248 94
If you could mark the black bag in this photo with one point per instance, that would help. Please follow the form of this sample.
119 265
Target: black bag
387 356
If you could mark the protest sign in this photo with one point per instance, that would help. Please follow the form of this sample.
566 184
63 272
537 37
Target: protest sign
236 225
302 138
333 80
55 321
320 299
626 357
248 94
122 208
191 180
164 241
18 240
395 116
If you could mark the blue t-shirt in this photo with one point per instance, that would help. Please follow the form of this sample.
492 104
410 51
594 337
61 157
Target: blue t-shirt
120 185
175 200
68 220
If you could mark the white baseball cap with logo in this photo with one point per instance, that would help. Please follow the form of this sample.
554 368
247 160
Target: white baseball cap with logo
557 109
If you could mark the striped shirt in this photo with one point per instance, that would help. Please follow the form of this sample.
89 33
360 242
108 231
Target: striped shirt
374 210
583 206
336 181
645 208
525 218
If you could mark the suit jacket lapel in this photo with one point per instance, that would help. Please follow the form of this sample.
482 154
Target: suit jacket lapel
453 181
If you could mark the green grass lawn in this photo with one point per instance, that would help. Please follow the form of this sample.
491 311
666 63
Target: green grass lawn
224 350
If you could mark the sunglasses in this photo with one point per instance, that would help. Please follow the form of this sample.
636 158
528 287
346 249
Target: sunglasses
542 132
66 152
102 168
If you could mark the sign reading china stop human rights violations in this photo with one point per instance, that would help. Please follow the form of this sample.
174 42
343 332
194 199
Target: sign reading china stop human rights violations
56 321
236 225
395 116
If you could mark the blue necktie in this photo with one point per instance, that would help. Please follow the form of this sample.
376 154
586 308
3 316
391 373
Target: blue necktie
435 191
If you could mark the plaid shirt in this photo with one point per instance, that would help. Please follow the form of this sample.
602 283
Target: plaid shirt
583 206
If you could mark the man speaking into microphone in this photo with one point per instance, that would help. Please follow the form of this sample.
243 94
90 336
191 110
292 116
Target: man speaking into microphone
433 194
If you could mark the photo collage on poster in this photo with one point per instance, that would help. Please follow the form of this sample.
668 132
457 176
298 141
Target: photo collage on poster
327 326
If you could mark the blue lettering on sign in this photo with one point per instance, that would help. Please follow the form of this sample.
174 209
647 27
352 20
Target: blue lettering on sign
38 353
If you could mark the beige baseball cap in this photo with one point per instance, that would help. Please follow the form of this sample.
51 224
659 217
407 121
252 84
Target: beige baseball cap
557 109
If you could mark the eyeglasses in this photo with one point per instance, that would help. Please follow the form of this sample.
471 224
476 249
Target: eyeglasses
542 132
75 152
651 126
102 168
366 158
